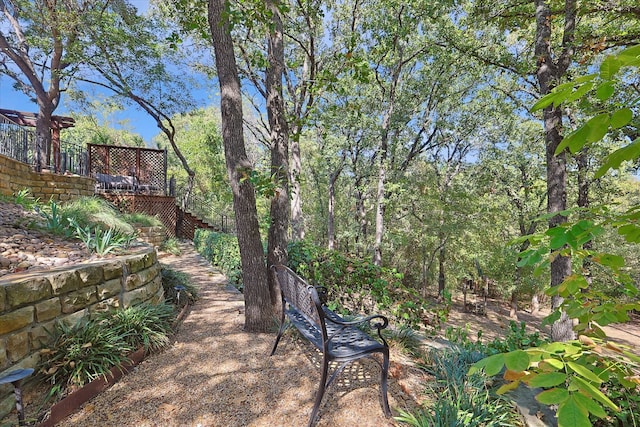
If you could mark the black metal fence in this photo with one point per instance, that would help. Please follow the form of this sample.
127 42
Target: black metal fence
19 143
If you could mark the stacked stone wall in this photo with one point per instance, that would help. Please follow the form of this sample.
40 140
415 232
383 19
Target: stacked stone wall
31 303
16 176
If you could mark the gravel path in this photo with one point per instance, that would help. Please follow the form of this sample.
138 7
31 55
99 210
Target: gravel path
217 375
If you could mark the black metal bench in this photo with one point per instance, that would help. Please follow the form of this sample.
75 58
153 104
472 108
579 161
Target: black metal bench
339 340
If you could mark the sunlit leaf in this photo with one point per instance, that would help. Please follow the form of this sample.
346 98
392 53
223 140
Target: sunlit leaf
598 127
605 90
549 379
571 414
592 391
615 159
609 67
553 396
516 360
621 117
508 387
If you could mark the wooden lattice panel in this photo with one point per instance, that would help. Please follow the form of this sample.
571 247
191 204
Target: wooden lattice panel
163 207
146 165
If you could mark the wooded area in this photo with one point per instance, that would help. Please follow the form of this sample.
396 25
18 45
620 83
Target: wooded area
459 142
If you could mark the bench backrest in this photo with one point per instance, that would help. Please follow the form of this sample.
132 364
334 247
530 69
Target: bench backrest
297 292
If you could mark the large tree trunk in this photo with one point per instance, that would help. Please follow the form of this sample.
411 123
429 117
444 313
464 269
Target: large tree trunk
280 207
548 74
258 313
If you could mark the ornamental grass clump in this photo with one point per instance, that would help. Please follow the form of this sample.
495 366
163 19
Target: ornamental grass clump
80 353
144 325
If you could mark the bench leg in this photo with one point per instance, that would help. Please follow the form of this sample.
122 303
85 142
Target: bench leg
321 389
383 382
280 332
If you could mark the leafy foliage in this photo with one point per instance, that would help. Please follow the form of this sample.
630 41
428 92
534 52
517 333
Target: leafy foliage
462 400
223 251
517 338
359 286
172 279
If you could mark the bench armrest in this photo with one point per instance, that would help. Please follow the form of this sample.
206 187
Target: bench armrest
377 321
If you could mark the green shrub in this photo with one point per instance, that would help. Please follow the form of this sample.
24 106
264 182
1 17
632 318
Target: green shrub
172 278
462 400
141 220
172 246
356 285
100 241
222 251
517 338
80 353
145 325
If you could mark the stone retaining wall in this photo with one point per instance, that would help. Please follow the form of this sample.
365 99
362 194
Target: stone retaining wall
33 301
15 176
155 236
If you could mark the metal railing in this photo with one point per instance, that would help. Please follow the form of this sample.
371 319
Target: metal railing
19 143
200 207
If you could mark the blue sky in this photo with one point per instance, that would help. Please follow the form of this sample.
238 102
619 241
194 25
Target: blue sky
134 119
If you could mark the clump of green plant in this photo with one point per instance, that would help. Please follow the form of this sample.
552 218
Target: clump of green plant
97 212
406 338
80 353
517 338
221 250
358 286
141 219
462 400
145 325
25 199
172 246
56 221
172 279
99 241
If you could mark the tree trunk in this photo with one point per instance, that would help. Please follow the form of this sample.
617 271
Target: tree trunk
549 73
513 311
442 258
297 220
582 159
333 177
258 313
43 136
535 304
280 207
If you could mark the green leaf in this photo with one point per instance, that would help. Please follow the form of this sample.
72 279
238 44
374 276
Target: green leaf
590 405
598 127
609 67
580 92
553 396
517 360
621 117
544 102
584 372
633 51
571 414
575 140
615 159
555 363
491 365
592 391
609 260
549 379
605 90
